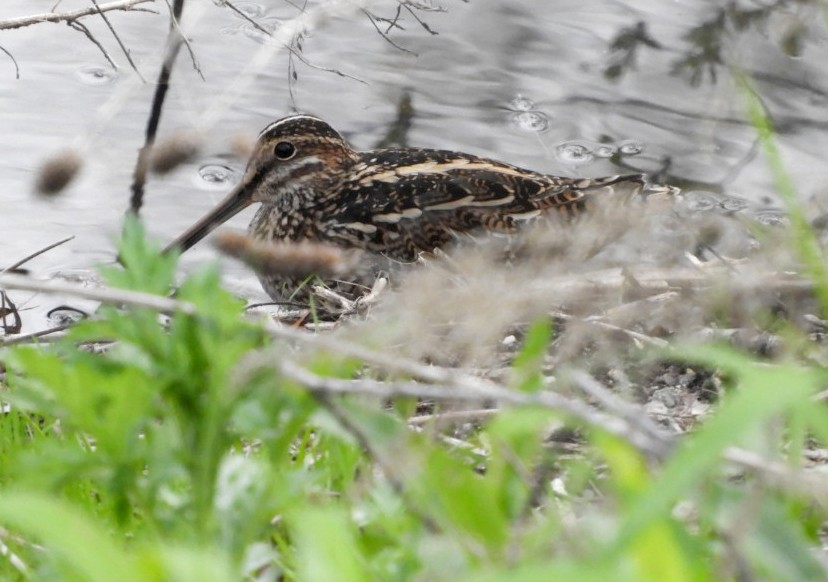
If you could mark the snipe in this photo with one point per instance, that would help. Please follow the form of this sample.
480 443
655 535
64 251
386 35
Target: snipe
394 204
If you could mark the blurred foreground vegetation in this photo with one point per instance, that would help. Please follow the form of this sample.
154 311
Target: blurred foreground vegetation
201 445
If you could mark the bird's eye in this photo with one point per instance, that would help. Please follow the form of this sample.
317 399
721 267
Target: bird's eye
284 150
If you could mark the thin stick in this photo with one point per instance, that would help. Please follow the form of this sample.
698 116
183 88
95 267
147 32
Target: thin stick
454 417
373 21
657 449
104 295
16 66
616 405
69 16
186 41
640 337
28 258
21 339
781 475
656 445
119 41
82 28
139 176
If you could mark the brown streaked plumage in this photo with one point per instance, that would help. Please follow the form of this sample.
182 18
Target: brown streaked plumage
394 204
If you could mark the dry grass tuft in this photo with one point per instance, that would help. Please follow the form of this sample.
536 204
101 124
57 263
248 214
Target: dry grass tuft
611 284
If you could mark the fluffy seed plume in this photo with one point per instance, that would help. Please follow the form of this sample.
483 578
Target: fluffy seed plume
56 173
286 259
170 153
242 146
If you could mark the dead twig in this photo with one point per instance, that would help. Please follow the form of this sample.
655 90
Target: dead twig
28 258
175 22
8 308
634 335
660 280
651 440
476 391
37 335
453 417
79 26
612 403
781 475
119 41
16 66
125 5
294 47
139 176
373 20
102 294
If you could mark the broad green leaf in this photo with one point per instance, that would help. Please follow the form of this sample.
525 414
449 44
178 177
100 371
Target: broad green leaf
326 546
83 548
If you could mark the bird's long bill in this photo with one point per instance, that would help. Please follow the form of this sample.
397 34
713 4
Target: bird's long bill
236 201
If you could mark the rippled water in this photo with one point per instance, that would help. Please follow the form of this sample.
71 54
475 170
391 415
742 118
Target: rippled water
565 87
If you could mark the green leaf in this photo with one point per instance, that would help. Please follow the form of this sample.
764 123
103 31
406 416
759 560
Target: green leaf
805 240
779 548
529 361
81 546
763 393
466 503
145 267
326 546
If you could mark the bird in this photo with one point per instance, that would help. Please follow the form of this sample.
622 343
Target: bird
392 205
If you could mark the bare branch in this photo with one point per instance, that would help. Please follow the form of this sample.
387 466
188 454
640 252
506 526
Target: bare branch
634 335
244 16
102 294
16 67
48 334
418 19
298 54
70 16
809 483
373 19
139 175
460 389
37 253
118 40
82 28
185 40
295 51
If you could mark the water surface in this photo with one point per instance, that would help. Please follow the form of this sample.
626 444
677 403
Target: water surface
566 87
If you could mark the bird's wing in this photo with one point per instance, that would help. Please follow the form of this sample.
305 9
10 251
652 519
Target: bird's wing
422 200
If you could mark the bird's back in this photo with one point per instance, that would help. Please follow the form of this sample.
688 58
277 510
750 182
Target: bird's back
402 203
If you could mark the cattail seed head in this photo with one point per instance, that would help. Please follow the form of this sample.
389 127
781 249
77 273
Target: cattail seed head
174 151
56 173
285 258
242 146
